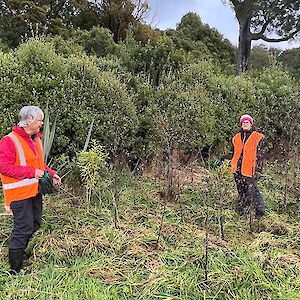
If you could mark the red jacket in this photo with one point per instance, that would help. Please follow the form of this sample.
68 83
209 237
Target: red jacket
8 157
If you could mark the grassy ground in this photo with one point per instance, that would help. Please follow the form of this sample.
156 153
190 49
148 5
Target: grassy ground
79 253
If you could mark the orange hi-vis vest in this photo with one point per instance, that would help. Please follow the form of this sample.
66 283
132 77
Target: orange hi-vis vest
249 150
16 189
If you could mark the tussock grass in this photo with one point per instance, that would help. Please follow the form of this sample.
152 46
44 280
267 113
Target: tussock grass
79 254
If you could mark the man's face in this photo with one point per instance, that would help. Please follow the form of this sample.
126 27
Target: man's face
35 125
246 125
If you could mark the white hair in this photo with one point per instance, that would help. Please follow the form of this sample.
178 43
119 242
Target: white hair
29 113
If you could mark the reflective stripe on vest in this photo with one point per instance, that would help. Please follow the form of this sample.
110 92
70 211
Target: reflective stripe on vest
17 184
19 148
15 189
24 182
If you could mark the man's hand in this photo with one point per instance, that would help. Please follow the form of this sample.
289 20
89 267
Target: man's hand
56 179
39 173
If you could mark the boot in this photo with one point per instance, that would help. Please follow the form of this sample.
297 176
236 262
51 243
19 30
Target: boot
27 251
16 260
26 255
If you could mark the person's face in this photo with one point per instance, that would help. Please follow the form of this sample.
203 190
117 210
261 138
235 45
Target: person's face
246 125
34 126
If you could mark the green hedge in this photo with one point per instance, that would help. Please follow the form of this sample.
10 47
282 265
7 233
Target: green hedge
76 92
197 106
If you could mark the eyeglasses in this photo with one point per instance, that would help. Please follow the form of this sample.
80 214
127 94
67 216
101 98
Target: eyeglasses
245 122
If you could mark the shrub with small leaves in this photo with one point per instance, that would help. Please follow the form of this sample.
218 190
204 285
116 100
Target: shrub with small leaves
92 164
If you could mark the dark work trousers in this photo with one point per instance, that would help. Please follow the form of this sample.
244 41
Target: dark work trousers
27 217
249 194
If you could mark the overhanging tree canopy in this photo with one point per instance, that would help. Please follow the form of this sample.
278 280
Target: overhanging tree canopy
267 20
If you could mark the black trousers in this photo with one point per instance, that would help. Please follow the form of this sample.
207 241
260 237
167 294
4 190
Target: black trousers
249 194
27 217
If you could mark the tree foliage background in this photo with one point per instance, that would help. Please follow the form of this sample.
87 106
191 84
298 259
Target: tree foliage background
266 20
143 86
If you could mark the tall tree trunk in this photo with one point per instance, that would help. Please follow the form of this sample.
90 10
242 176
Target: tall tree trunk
244 47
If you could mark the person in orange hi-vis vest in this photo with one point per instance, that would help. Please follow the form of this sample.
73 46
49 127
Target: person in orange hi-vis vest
246 166
21 166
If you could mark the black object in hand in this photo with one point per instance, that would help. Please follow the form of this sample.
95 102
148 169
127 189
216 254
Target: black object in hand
46 184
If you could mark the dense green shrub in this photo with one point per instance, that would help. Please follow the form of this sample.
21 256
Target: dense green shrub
98 41
152 60
278 108
185 114
229 98
233 97
76 91
145 142
65 47
195 106
10 92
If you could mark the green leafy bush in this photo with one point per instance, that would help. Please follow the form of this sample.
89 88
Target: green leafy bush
92 164
98 41
278 108
186 116
76 91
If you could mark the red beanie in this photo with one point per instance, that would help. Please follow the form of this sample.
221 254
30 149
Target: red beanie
246 118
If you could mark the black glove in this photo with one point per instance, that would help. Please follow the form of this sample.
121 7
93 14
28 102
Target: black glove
46 184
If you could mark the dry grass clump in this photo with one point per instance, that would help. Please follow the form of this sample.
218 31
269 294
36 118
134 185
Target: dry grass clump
184 175
104 273
290 259
276 227
75 242
264 239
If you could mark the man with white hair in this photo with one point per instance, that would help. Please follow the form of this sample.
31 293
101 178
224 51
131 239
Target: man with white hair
21 166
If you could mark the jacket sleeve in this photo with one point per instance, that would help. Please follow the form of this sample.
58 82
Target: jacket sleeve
7 161
50 171
260 158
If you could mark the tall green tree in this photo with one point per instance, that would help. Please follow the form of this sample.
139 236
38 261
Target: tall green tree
21 19
291 60
267 20
195 37
69 14
119 15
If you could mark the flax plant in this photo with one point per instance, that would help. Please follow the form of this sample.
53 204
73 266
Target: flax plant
48 134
